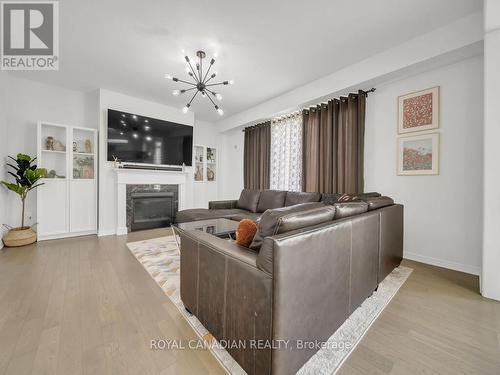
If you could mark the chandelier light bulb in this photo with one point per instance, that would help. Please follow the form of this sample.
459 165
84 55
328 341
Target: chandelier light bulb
220 111
168 76
231 82
176 92
185 109
203 93
218 96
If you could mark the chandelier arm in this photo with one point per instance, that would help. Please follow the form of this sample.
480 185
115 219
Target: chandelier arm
216 84
189 83
192 70
206 74
186 90
208 80
215 105
210 91
194 96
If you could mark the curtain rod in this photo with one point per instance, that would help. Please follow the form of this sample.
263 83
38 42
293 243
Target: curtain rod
366 92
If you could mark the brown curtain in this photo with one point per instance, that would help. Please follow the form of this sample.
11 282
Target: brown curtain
257 156
333 145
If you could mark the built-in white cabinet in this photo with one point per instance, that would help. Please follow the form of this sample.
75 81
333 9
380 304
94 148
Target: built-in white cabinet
67 201
205 163
205 171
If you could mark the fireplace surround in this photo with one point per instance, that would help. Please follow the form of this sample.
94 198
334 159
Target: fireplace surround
126 177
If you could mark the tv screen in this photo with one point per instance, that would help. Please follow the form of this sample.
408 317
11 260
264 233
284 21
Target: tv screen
139 139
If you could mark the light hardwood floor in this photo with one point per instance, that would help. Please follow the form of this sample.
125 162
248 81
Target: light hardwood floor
86 306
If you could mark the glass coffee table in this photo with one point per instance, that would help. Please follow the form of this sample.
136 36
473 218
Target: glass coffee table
222 228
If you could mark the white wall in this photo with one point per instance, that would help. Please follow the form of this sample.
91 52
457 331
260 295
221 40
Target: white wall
205 134
443 214
490 281
26 103
231 165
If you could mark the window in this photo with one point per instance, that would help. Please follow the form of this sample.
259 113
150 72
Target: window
286 153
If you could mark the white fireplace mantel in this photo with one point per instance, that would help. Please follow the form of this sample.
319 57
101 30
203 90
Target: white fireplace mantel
126 177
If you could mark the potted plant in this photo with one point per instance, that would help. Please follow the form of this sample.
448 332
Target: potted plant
26 175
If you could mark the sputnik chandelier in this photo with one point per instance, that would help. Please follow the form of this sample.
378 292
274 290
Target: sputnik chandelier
200 82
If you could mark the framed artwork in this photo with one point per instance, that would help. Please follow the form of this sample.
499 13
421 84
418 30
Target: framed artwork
418 155
418 111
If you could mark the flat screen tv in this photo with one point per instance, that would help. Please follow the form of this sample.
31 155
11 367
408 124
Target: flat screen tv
139 139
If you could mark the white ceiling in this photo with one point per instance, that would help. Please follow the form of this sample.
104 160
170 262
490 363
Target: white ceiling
267 46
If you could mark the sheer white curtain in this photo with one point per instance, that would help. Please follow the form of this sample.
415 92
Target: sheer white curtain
286 153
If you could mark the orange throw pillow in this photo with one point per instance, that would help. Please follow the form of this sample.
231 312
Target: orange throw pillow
245 232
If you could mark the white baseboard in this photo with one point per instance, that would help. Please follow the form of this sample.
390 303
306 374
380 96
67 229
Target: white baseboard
102 233
473 270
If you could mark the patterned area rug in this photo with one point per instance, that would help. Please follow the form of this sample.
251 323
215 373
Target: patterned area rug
160 257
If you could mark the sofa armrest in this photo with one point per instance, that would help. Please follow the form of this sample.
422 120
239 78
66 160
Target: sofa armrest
220 205
222 286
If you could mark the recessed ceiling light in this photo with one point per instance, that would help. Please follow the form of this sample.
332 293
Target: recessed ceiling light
134 117
149 138
123 114
147 127
135 135
121 133
146 120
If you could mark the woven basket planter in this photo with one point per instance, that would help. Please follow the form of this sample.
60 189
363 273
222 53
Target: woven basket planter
19 237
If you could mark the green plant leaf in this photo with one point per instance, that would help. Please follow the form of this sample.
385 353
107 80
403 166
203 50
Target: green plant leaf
23 157
21 190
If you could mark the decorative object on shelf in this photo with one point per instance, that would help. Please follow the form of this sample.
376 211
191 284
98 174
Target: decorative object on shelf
210 174
418 154
58 146
199 81
50 174
88 146
26 175
83 167
117 163
418 111
75 146
211 154
49 143
198 175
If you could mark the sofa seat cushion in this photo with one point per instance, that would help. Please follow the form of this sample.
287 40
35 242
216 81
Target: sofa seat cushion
297 197
378 202
249 199
254 216
196 214
270 199
346 209
269 220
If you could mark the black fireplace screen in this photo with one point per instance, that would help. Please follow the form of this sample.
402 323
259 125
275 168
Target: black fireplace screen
152 210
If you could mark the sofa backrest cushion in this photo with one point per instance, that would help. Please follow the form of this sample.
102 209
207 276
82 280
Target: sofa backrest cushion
249 199
269 220
303 219
297 197
328 198
270 199
378 202
346 209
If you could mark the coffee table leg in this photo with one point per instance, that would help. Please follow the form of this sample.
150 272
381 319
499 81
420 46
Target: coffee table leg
175 237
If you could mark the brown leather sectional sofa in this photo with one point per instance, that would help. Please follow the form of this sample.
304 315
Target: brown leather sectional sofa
312 263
